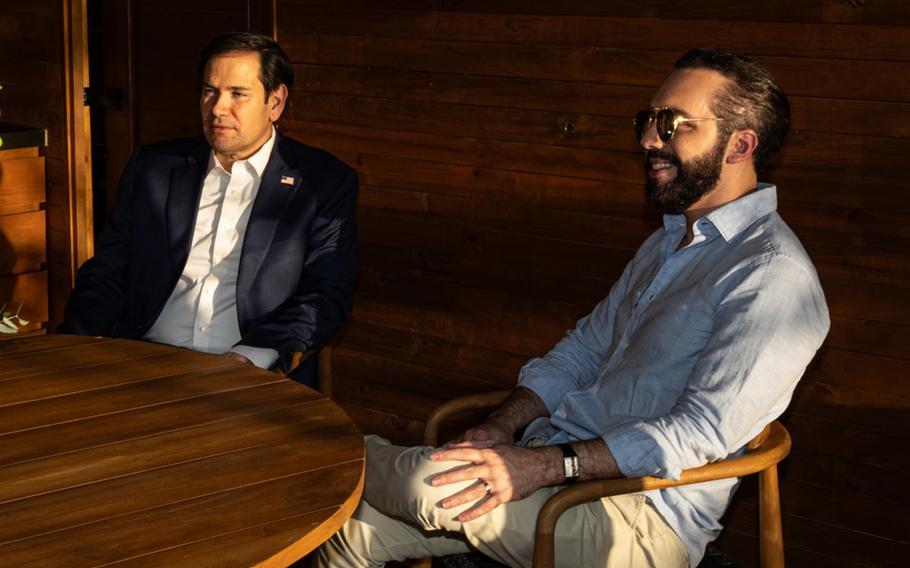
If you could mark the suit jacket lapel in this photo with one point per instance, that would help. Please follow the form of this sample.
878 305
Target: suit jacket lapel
182 204
274 196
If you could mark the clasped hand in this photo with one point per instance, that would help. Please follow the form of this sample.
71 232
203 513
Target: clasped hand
511 472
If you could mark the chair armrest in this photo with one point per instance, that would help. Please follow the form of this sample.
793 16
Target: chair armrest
325 366
456 406
297 357
773 446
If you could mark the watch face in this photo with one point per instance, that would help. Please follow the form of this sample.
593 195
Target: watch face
571 467
570 463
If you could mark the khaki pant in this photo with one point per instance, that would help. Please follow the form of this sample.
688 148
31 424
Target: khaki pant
398 519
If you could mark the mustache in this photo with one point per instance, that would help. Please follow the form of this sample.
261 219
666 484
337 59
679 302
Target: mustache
663 155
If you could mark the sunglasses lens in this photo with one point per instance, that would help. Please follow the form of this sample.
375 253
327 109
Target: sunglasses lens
666 125
642 121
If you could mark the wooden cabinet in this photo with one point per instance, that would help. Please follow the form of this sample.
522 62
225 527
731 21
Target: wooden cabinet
23 250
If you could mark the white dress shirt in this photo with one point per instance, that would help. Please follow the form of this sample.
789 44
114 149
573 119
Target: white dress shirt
201 313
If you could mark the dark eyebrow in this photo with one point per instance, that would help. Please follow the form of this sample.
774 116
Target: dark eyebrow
232 88
680 112
677 110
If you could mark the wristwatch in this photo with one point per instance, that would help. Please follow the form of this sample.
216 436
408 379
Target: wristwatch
570 463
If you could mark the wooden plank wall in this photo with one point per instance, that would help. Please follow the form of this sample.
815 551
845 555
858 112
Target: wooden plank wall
166 80
502 194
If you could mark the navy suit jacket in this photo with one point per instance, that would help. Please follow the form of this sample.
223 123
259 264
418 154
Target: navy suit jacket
298 262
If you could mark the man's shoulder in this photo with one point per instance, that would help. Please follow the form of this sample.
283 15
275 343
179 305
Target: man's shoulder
177 150
771 236
300 156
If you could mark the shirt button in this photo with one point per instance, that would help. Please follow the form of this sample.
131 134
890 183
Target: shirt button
202 328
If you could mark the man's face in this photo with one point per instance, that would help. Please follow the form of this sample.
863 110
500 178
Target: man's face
236 115
694 178
680 172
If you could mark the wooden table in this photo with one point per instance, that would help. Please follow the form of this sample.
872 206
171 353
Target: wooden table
116 453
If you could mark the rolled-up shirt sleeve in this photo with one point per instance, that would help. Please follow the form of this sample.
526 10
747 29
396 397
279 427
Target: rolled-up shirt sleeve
573 363
771 320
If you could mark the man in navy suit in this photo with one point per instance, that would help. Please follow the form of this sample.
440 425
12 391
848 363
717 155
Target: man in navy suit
242 242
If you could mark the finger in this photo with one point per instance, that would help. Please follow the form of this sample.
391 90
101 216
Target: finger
457 475
476 434
482 507
470 433
465 454
476 444
473 492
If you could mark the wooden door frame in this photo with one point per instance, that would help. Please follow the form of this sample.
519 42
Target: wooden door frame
78 133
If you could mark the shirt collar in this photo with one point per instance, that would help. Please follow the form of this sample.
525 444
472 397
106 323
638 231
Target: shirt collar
734 217
257 161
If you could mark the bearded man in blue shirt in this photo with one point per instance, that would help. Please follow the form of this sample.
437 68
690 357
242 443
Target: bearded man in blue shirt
698 346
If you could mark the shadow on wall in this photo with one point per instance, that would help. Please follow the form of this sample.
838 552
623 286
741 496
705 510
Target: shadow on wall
7 254
837 482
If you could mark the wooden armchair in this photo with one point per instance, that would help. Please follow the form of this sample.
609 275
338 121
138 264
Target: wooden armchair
324 354
762 456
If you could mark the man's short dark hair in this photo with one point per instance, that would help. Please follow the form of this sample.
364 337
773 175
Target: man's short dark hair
751 99
274 66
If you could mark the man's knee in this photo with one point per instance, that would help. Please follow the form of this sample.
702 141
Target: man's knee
360 542
391 470
398 484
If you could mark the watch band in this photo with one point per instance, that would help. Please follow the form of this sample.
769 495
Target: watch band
570 463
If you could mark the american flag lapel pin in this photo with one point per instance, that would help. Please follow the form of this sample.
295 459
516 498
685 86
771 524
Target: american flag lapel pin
287 180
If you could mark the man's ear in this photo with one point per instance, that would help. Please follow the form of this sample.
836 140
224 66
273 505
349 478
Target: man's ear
742 146
277 101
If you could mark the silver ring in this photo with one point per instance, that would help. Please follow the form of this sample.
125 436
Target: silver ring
487 487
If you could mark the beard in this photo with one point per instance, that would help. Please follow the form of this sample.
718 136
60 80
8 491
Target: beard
693 180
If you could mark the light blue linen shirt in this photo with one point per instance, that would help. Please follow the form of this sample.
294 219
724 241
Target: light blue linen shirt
692 353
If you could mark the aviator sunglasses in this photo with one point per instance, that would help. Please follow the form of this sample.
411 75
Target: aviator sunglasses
665 119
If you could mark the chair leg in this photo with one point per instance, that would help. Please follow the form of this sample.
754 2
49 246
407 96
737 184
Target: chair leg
771 547
326 380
